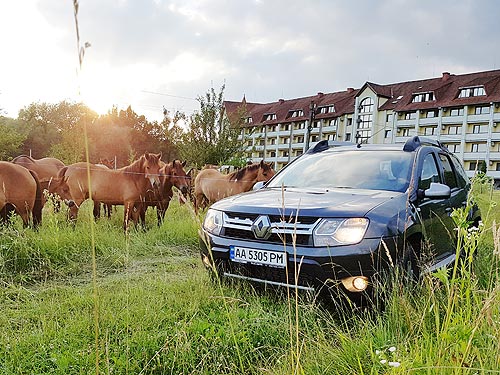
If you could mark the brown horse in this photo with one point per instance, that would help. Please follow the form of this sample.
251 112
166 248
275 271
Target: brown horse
126 186
171 174
20 192
211 185
45 168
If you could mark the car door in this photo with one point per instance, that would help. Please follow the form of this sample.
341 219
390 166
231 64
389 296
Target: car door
434 212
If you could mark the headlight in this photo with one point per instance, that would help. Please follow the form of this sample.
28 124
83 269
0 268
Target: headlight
332 232
213 222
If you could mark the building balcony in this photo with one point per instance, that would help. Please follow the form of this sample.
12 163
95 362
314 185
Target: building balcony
327 129
476 137
452 120
406 123
493 174
478 118
450 137
495 156
428 121
473 156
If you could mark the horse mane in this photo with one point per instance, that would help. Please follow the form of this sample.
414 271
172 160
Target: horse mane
135 167
236 175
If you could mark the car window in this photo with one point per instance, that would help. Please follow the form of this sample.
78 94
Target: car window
448 171
461 175
429 173
360 169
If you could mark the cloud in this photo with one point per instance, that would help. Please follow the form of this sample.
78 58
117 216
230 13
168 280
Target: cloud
263 49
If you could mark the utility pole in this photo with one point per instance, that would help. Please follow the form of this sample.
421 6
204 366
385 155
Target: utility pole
312 110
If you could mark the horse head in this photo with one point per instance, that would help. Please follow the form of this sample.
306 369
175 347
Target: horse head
265 171
175 173
58 186
151 165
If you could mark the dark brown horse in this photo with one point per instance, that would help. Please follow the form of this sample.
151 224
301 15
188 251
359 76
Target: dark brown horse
126 186
171 174
20 192
211 185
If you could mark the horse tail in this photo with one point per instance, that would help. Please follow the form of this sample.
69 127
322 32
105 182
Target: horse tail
37 207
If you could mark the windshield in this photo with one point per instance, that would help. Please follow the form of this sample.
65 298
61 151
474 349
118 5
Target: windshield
360 169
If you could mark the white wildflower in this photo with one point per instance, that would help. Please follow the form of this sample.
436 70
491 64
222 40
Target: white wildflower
377 352
394 364
383 361
392 349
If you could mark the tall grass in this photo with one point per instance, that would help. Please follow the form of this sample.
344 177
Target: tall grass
159 312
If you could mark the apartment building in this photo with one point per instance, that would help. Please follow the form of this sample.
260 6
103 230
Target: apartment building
462 111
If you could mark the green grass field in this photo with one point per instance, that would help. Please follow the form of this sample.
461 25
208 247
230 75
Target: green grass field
147 306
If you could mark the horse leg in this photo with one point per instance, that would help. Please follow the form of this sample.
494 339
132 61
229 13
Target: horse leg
97 210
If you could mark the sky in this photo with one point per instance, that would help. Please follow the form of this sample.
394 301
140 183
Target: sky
156 54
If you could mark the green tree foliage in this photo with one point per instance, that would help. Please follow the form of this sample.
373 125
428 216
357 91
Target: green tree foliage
11 139
211 138
56 129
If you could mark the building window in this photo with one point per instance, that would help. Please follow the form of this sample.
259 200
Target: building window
296 113
388 117
365 121
455 129
314 138
453 147
327 109
272 128
405 132
272 154
472 166
422 97
468 92
431 113
478 129
478 147
387 134
497 167
248 120
457 111
284 154
262 142
366 105
410 115
299 139
349 122
285 140
286 127
482 110
430 130
348 137
333 122
269 116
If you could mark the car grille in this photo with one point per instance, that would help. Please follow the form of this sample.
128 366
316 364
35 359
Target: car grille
277 275
289 230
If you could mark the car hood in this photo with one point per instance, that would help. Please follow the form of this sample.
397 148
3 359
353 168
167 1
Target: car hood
309 202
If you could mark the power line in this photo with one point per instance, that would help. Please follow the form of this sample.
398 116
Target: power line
170 95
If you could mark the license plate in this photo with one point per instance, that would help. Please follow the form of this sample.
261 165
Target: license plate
257 256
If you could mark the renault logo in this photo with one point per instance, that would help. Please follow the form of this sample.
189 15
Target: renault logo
261 227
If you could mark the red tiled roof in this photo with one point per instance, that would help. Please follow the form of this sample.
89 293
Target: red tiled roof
399 96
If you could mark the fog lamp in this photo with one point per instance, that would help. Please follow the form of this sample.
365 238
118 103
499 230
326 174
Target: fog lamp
355 283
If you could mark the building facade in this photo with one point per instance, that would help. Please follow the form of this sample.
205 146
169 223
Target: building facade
461 111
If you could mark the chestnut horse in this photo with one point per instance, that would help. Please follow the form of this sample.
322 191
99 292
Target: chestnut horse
210 185
171 174
126 186
20 192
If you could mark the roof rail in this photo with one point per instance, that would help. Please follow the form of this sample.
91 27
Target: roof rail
413 143
326 144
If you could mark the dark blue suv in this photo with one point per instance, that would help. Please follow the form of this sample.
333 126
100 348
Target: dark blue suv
340 215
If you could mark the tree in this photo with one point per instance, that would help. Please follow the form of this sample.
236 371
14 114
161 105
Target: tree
211 138
11 139
56 129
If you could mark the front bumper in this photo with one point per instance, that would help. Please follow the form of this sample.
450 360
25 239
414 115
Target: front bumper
309 268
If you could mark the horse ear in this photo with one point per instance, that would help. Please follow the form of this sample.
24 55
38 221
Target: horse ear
184 163
159 156
262 163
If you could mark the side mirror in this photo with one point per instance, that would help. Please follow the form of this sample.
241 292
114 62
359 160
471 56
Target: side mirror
258 185
438 191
